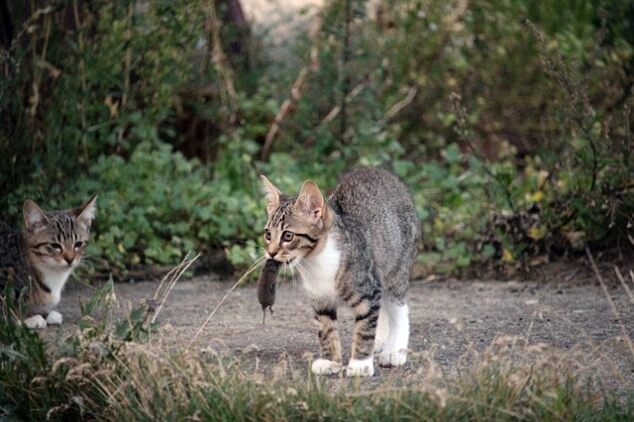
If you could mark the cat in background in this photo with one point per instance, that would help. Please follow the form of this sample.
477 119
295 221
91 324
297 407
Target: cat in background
38 261
356 249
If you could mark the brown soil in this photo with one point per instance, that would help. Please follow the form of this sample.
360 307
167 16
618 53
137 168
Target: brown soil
448 319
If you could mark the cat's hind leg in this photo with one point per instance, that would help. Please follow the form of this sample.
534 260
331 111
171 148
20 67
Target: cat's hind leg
394 352
54 318
382 330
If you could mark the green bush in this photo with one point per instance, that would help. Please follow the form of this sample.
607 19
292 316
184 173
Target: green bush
156 205
509 120
69 97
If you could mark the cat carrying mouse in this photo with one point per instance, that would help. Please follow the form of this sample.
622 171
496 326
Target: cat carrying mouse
355 249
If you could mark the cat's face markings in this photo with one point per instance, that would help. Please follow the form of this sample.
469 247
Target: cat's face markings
57 240
295 225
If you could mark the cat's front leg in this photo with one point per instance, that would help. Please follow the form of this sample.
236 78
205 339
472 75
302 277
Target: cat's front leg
366 311
36 321
54 318
331 360
43 315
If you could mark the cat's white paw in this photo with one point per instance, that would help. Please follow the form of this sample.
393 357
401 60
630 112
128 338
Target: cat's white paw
360 368
325 367
35 322
387 359
54 318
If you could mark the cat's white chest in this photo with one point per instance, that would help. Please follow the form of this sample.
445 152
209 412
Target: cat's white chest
55 281
319 272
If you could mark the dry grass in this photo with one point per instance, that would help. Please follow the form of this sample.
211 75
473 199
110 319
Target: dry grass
95 373
511 379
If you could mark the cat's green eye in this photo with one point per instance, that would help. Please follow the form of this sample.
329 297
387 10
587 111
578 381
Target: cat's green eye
267 235
287 236
56 246
79 245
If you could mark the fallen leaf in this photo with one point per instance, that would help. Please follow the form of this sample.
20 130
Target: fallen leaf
535 197
537 232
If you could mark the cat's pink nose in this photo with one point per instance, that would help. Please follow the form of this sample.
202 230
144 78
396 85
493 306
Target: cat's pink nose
69 259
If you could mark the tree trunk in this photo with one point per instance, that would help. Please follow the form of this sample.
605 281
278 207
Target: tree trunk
6 25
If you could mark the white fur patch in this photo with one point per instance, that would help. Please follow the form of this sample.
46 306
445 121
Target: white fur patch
319 272
55 281
394 351
360 367
35 322
89 211
382 330
34 217
325 367
54 318
388 359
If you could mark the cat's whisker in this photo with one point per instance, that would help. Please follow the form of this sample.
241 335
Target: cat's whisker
306 266
293 279
288 271
259 260
300 268
284 271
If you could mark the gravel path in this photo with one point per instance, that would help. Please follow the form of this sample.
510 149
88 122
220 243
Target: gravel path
450 321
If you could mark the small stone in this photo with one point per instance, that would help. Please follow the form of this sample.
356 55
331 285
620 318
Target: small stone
251 349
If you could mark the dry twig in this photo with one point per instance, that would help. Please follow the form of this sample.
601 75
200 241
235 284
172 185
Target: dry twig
171 278
219 57
615 311
287 107
624 284
224 298
296 93
334 112
399 106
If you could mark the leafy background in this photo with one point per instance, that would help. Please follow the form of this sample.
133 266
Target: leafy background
510 121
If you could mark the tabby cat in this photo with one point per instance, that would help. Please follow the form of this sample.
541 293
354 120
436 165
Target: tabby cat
356 249
38 261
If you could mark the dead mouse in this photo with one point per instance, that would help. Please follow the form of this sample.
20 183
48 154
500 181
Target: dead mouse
266 286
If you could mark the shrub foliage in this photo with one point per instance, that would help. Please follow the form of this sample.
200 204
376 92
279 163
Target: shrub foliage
510 120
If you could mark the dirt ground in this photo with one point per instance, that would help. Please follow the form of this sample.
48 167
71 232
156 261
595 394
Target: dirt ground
448 319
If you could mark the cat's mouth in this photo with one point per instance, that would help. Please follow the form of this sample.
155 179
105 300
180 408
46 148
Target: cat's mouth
286 261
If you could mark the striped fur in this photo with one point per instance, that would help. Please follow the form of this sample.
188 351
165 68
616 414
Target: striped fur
355 249
326 319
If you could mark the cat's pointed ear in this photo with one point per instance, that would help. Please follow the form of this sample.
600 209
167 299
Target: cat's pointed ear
87 211
272 195
310 201
33 215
